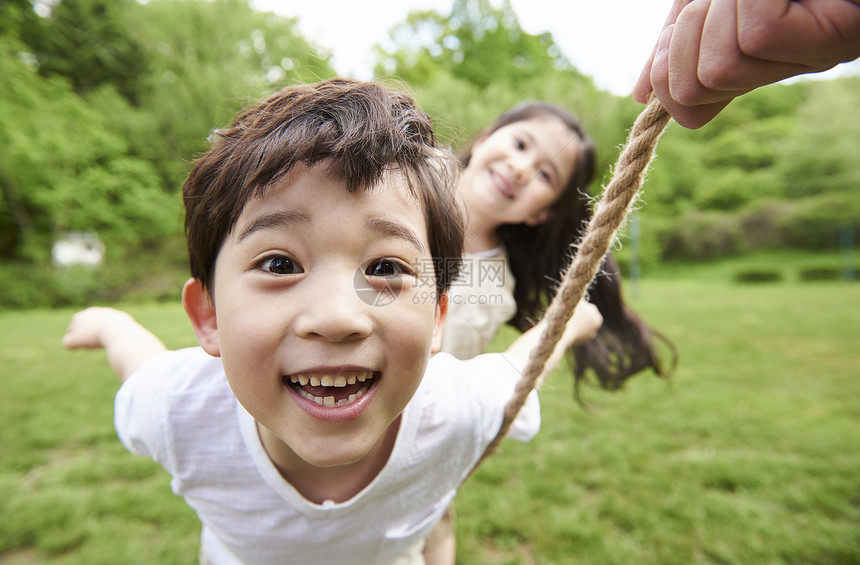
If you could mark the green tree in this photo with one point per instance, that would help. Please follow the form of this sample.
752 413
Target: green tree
104 105
206 60
52 142
477 43
476 62
89 42
821 156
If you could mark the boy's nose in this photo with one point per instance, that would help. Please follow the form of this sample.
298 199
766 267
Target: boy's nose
334 314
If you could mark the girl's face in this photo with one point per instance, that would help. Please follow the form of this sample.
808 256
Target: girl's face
517 172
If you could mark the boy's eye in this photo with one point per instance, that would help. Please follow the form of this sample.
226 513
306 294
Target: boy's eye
387 268
280 265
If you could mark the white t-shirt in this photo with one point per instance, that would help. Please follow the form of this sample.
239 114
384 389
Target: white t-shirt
179 410
480 301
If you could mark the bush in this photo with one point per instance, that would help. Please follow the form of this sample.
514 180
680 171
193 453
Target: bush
758 276
146 273
814 223
820 274
700 235
759 223
811 223
24 286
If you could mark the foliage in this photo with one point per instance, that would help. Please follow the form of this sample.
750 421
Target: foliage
776 169
106 103
89 42
818 222
476 43
207 60
445 59
821 156
747 181
63 168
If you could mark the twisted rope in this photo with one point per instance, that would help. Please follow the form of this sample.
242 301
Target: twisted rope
609 214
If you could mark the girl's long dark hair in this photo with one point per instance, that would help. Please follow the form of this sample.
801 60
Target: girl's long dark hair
625 345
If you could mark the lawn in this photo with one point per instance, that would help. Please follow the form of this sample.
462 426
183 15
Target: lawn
751 455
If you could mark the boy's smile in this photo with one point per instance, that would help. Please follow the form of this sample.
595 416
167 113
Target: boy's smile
335 387
325 373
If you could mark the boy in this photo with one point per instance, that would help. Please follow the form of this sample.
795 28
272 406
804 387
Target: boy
315 438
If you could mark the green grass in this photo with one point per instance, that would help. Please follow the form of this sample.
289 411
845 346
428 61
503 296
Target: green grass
751 455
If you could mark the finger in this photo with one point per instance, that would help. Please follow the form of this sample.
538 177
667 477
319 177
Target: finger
816 34
684 51
659 76
723 65
687 116
643 88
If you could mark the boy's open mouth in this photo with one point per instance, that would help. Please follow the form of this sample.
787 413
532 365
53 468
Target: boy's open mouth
334 390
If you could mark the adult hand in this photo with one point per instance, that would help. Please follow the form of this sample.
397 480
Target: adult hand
711 51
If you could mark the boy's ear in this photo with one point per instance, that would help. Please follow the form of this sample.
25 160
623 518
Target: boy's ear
201 311
439 322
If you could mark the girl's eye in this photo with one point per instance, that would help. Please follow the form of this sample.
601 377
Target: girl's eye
519 143
546 177
387 268
280 265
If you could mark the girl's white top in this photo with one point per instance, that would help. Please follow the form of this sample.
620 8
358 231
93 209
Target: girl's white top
480 301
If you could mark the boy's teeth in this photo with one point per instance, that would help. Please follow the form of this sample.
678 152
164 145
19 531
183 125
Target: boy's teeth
338 382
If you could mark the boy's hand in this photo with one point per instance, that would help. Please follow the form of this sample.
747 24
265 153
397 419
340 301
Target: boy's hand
88 327
711 51
127 344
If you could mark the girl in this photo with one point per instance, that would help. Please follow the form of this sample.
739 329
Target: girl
524 190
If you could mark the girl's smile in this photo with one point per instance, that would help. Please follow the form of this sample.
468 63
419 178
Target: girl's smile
503 185
518 172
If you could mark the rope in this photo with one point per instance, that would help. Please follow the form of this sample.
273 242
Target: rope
609 214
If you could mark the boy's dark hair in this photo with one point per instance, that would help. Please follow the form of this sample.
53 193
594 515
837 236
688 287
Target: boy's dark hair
358 130
537 255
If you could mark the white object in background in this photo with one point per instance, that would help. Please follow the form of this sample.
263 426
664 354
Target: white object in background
78 248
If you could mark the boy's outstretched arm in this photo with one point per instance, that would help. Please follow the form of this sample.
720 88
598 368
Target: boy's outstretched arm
126 343
582 326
